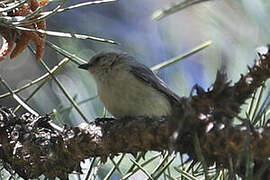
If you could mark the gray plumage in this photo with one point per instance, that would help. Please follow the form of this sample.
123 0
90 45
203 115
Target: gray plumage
128 88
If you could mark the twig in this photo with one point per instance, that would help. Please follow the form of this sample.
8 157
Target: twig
18 99
167 63
60 85
46 77
159 14
65 34
79 5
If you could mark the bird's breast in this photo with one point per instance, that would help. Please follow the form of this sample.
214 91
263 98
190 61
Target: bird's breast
125 95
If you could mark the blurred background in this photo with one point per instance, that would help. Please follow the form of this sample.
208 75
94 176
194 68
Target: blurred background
236 29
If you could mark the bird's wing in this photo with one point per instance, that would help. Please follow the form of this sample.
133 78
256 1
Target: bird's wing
144 73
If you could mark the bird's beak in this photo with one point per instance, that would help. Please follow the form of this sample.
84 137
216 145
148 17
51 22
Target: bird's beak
84 66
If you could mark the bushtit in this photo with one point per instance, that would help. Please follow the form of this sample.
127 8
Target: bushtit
128 88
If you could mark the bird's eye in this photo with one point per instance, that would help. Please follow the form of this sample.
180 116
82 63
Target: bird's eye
96 60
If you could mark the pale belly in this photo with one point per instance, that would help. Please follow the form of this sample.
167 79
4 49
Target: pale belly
131 98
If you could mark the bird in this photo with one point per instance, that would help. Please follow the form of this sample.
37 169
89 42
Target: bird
128 88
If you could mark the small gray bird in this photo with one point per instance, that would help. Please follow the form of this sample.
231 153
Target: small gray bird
128 88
